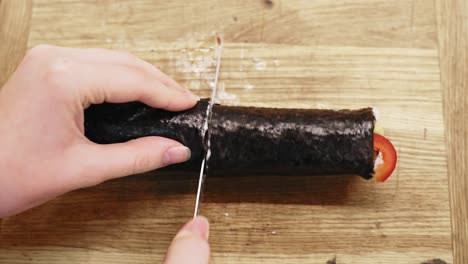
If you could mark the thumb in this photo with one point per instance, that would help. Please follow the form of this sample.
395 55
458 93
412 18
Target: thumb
105 162
190 245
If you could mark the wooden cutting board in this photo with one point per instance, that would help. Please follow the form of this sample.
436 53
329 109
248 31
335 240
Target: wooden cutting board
307 54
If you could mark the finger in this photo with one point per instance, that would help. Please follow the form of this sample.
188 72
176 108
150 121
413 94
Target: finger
96 83
106 56
103 162
190 245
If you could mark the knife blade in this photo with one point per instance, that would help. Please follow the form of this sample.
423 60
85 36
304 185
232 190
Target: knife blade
206 127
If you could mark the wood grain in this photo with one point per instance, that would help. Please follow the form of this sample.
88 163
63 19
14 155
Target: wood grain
381 23
310 54
453 43
14 28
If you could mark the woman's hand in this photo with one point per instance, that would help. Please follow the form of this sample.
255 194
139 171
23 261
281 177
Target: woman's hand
43 150
190 245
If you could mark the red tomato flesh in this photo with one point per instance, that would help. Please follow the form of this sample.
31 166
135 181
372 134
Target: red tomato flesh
389 157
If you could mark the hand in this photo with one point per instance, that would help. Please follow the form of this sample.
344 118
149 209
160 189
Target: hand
190 245
44 152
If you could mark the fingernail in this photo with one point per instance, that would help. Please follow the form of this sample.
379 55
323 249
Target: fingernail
189 93
176 155
192 95
198 226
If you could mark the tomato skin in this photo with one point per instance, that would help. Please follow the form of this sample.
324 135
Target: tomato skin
389 156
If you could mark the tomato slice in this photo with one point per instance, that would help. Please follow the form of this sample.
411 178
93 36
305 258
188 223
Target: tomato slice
389 158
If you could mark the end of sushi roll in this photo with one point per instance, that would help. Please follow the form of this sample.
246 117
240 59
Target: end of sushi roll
385 158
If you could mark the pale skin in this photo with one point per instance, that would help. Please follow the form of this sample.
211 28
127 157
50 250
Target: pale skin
44 151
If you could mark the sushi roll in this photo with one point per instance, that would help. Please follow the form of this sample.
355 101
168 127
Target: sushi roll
252 140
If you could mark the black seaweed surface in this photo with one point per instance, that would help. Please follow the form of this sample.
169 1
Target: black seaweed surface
249 139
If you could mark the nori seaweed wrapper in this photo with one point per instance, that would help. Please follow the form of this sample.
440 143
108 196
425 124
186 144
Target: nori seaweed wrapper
246 140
